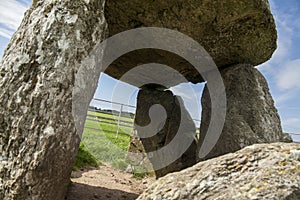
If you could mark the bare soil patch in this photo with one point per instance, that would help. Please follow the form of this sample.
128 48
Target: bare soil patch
105 183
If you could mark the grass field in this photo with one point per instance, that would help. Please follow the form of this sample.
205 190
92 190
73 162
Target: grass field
100 144
104 145
106 115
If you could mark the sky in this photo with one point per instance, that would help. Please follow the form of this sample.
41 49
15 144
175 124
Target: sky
282 71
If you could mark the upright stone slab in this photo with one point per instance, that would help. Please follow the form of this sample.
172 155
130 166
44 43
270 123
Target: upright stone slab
165 131
251 116
38 93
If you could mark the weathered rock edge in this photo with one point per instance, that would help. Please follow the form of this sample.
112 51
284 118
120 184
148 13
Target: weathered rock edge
231 31
251 115
38 140
260 171
177 121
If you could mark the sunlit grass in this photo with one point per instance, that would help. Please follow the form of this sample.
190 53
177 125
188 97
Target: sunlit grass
104 143
101 144
85 158
106 115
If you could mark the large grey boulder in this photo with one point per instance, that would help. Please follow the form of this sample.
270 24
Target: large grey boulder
261 171
232 31
159 130
42 107
251 116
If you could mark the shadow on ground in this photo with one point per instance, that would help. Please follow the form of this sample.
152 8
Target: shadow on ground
79 191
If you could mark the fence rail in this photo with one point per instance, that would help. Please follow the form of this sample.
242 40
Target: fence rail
118 115
95 118
118 120
294 133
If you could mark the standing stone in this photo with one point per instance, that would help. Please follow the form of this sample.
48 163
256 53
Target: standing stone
165 129
251 116
39 134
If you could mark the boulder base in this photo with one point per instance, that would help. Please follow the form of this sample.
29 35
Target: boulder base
139 158
261 171
251 116
165 130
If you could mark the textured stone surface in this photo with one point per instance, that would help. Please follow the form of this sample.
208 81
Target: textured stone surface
232 31
166 130
45 87
139 158
251 116
261 171
38 92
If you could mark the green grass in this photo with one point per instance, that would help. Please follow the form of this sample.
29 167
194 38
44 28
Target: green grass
140 172
120 164
85 158
106 115
104 146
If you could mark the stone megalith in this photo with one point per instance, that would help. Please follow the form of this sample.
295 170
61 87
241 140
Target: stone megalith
163 132
251 116
39 134
260 171
46 84
231 31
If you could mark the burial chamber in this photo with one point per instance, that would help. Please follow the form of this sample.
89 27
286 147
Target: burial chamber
47 81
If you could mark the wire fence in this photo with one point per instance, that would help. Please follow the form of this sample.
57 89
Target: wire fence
294 134
120 115
114 113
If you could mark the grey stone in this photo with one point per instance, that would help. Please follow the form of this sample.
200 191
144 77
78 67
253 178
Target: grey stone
46 83
137 154
232 31
260 171
42 107
163 131
251 116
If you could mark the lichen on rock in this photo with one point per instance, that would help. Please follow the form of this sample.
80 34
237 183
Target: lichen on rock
38 136
231 31
261 171
251 116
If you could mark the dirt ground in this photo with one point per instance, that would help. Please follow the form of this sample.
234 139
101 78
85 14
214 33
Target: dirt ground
105 183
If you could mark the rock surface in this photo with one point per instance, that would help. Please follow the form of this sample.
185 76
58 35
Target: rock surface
251 116
163 131
46 84
38 93
261 171
232 31
139 158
